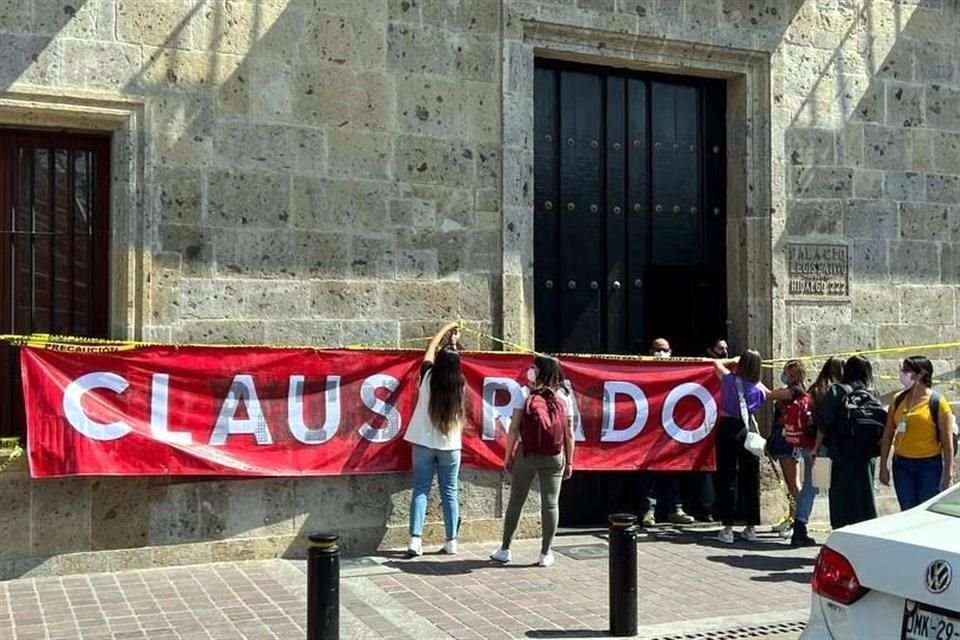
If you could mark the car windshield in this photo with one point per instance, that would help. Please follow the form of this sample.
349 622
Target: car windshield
949 504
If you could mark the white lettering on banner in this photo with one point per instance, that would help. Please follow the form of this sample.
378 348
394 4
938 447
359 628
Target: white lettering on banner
241 389
73 408
160 415
689 436
577 420
609 432
368 393
331 421
494 414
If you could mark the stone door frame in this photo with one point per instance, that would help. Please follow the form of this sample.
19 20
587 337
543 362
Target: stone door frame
751 167
129 217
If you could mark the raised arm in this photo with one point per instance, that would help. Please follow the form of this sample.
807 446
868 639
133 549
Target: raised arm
720 367
431 352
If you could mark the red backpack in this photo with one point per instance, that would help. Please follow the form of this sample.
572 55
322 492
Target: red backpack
544 423
798 427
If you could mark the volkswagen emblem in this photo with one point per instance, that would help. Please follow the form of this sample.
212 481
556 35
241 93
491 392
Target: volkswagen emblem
938 577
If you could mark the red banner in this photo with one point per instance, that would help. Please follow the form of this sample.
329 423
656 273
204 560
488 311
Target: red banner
288 412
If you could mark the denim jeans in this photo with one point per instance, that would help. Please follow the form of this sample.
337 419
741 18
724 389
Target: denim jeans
446 464
916 480
807 491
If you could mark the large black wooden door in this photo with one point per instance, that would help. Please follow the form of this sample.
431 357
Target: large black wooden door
629 225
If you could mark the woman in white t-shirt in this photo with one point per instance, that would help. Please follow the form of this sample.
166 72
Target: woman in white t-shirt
435 433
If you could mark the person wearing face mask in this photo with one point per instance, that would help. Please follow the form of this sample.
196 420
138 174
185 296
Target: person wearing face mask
718 350
919 430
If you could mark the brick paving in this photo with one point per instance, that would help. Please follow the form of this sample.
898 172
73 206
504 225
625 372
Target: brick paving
687 583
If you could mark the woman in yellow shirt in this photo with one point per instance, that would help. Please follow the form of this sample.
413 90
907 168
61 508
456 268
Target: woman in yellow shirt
923 448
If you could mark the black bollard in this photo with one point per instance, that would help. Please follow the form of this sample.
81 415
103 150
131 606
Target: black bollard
623 574
323 587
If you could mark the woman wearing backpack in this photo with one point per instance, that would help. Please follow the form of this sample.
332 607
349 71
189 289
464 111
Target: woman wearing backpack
435 433
852 471
738 470
533 452
922 443
792 440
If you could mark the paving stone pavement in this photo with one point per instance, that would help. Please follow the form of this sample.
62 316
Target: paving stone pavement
688 583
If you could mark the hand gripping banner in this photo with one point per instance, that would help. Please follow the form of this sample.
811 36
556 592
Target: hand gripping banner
219 411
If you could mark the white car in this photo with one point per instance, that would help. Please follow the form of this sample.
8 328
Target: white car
893 578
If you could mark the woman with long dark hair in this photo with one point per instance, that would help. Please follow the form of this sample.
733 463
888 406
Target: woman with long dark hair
920 433
831 373
435 433
524 460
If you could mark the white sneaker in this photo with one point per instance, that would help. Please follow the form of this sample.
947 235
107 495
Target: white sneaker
501 555
449 547
726 535
415 548
749 534
788 533
546 559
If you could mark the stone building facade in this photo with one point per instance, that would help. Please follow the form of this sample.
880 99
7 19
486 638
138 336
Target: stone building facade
356 171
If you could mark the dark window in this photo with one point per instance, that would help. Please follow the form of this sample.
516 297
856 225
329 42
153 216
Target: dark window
54 246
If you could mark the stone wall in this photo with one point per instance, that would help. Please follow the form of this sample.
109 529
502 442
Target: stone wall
344 171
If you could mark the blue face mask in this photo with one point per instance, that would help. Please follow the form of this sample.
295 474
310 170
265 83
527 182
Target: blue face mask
784 379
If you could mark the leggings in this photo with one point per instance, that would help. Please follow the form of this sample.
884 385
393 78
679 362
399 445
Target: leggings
550 471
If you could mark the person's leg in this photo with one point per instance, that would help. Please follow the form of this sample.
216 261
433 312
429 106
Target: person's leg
748 482
708 495
423 465
521 476
448 476
929 474
550 472
727 471
807 492
648 501
673 497
905 482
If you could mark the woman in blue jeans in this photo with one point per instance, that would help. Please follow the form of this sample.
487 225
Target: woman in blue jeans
435 433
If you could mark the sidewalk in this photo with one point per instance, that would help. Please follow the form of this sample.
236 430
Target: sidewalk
688 584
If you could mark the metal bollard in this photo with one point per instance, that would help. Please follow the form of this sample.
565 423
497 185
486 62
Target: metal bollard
323 587
623 574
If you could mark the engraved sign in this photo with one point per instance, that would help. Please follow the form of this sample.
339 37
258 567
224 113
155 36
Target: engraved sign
818 270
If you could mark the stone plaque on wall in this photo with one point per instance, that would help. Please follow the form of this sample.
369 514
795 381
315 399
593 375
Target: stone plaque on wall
818 270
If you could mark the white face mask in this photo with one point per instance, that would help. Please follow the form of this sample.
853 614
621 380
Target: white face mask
661 354
907 379
532 375
784 379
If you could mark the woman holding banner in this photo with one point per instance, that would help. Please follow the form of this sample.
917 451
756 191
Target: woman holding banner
435 433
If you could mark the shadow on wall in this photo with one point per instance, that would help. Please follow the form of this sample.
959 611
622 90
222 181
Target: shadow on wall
29 53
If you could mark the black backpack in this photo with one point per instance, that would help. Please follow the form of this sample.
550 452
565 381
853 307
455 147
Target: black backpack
860 428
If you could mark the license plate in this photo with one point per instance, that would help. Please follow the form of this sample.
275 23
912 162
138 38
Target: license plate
921 622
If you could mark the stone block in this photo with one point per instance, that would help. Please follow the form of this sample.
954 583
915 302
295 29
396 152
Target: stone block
264 148
850 145
167 24
172 555
193 243
914 261
413 213
887 148
99 65
320 254
476 296
166 68
935 63
30 59
340 205
258 548
843 338
870 219
317 333
927 305
60 515
345 299
946 151
374 257
923 143
872 106
488 202
814 217
945 189
118 517
905 105
180 151
461 110
422 49
249 200
247 508
489 165
870 259
471 16
924 221
422 300
904 185
326 503
943 107
15 491
868 184
233 332
65 18
357 154
455 207
822 182
810 146
235 26
449 246
381 333
16 15
339 96
950 263
901 335
418 159
343 40
875 304
417 264
180 196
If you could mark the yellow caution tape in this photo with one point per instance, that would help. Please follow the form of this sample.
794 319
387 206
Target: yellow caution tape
938 346
15 452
